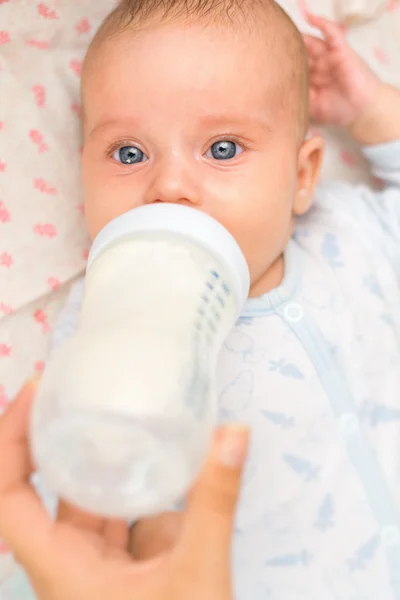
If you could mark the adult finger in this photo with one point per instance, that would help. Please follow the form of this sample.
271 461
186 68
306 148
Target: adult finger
208 521
24 522
154 536
114 532
15 461
14 423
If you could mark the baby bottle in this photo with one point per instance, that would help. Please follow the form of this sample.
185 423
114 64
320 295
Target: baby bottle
126 407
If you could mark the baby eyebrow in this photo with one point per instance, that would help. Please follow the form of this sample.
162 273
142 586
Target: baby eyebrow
110 124
226 120
235 120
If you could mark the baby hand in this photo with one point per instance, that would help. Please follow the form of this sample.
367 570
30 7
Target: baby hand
342 86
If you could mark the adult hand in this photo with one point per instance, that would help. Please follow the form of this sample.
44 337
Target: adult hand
72 559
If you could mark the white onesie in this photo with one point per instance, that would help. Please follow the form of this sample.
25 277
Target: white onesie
314 367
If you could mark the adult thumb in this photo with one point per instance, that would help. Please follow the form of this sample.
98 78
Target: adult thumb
208 522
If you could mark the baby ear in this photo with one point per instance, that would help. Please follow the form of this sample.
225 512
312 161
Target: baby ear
309 166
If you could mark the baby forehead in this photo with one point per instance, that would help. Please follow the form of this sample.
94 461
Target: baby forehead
260 64
262 25
164 100
251 60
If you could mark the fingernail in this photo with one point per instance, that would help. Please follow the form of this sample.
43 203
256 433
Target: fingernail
232 445
34 380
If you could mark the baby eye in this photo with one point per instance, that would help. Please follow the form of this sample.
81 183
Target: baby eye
129 155
224 150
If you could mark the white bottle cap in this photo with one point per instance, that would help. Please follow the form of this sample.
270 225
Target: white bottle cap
194 225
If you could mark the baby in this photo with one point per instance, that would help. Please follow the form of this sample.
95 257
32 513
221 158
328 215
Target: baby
205 103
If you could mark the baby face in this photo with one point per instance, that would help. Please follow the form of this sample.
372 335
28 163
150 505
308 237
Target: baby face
195 116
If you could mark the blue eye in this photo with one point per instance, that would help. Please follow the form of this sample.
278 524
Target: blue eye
129 155
224 150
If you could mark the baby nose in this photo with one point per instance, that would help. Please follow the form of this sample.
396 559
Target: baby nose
173 182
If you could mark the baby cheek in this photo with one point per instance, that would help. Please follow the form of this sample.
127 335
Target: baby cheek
266 228
106 199
100 208
95 220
